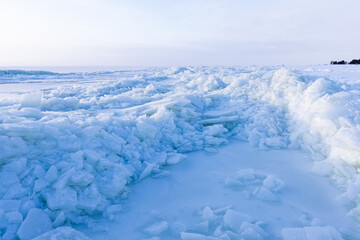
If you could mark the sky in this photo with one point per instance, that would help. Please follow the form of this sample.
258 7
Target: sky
177 32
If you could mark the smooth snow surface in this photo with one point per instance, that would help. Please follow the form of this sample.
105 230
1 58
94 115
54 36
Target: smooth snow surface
233 194
74 145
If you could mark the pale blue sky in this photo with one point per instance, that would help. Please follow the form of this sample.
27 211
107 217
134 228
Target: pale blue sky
183 32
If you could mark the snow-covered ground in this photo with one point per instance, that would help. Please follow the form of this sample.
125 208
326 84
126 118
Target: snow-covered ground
234 193
94 152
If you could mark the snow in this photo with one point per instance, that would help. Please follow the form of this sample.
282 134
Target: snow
74 144
311 233
201 205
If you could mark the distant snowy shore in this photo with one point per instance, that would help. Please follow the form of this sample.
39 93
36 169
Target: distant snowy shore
71 143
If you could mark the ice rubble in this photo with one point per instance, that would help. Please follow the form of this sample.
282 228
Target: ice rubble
260 186
227 223
72 151
233 224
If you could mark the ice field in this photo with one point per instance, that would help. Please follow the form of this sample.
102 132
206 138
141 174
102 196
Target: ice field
186 153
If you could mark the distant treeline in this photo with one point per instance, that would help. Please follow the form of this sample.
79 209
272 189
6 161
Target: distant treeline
354 61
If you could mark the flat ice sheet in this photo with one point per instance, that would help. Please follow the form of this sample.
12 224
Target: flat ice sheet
204 180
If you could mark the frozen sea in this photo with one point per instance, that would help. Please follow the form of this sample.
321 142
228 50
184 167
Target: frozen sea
186 153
